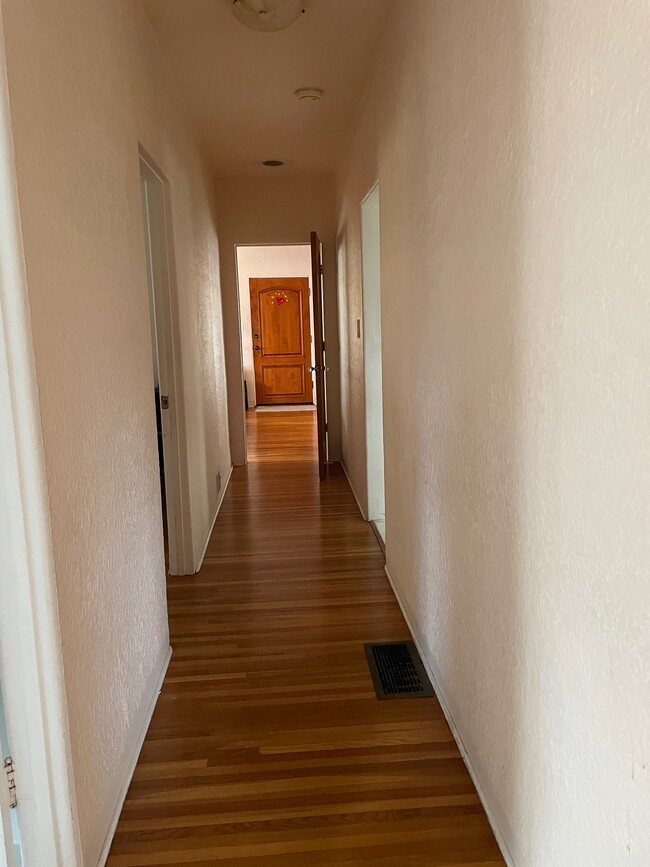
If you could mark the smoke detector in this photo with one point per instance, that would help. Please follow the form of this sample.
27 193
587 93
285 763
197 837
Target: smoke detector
267 15
309 94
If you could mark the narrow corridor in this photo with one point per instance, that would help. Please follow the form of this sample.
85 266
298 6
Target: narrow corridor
268 745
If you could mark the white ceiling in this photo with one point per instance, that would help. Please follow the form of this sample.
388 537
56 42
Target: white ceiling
239 84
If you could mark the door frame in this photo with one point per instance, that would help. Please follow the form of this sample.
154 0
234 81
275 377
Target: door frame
320 364
372 362
240 384
166 337
31 664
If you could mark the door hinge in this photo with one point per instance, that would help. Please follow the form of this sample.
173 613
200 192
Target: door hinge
326 428
11 782
164 401
320 268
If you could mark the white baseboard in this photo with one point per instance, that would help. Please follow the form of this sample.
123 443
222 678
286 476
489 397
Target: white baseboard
214 520
353 489
434 676
131 754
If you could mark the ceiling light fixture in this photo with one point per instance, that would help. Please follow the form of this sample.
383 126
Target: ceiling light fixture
267 15
309 94
273 163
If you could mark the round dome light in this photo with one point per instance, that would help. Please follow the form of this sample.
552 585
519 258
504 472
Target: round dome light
267 15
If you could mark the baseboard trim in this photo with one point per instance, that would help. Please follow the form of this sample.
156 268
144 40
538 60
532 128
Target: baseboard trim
133 755
353 489
380 538
214 520
467 759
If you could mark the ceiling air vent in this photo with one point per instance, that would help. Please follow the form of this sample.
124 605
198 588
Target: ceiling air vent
309 94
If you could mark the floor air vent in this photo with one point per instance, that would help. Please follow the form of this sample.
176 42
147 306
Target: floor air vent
397 671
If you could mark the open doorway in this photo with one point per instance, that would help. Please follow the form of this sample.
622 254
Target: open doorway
370 260
277 336
166 397
283 274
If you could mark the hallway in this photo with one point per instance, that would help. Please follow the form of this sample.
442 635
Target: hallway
268 745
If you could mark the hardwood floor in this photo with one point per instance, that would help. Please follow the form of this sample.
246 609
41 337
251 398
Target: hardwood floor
268 746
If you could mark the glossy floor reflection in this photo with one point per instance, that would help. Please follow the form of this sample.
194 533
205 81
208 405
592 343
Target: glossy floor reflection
268 745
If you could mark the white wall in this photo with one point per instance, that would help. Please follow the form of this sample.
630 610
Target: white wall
282 211
269 261
86 85
511 143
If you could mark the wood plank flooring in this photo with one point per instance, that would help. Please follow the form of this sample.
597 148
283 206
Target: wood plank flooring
268 746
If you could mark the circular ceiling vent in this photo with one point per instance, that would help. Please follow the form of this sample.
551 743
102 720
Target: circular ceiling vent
309 94
267 15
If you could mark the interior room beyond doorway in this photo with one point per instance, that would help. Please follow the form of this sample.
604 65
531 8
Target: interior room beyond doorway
277 327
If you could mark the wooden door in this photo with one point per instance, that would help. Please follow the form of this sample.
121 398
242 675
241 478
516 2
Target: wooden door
319 350
281 340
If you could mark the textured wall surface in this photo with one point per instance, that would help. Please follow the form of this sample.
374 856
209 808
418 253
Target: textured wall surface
511 142
86 85
289 261
280 210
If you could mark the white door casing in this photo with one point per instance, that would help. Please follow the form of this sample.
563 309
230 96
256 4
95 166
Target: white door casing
372 356
168 362
31 668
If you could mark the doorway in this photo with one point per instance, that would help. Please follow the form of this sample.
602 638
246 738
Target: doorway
285 262
276 313
370 262
165 360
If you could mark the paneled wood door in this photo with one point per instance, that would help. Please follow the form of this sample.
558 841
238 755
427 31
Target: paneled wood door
281 339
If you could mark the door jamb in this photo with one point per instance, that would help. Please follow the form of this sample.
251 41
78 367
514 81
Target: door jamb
30 643
181 553
371 487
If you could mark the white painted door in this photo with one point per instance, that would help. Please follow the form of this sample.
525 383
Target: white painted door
10 850
370 257
4 853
